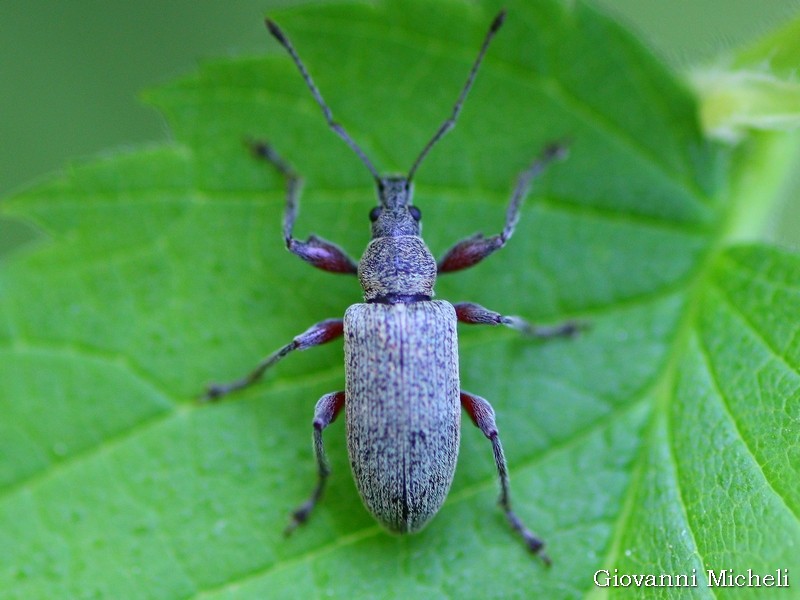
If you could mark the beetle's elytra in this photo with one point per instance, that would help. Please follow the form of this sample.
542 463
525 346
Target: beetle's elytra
403 397
403 449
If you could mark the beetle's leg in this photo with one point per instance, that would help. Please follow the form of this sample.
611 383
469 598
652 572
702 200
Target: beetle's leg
474 249
325 413
475 314
317 334
482 415
321 253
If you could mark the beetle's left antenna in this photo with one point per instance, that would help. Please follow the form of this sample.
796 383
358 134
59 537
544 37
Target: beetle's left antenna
284 41
451 120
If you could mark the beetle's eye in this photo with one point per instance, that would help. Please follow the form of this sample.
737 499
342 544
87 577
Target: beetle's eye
415 213
374 214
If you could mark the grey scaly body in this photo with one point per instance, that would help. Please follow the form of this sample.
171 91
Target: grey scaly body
402 411
403 397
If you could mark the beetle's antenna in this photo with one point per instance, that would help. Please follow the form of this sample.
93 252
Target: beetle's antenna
284 41
451 121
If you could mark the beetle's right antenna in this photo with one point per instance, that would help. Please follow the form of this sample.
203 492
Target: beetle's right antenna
284 41
451 121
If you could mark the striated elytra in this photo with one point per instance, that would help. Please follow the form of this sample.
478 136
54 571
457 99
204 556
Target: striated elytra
402 397
402 437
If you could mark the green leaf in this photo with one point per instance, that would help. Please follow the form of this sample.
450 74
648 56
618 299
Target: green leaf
755 88
779 49
734 101
662 440
751 94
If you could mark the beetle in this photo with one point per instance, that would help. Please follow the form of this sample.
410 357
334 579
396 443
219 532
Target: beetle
402 395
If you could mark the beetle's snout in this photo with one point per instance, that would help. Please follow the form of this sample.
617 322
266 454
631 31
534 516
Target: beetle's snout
395 215
394 192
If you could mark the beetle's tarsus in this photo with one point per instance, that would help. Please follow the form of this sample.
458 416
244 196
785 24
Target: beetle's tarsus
216 391
213 393
567 329
299 517
534 544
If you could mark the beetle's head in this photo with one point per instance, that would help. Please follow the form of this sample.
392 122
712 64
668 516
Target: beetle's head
395 215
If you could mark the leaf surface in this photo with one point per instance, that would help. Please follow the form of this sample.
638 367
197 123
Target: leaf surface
662 440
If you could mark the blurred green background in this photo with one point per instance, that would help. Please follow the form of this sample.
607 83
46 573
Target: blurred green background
70 72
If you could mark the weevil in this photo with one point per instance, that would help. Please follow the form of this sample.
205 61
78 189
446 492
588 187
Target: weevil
402 396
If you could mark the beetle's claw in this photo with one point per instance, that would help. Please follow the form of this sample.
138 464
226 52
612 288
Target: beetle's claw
535 545
572 329
213 393
299 517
